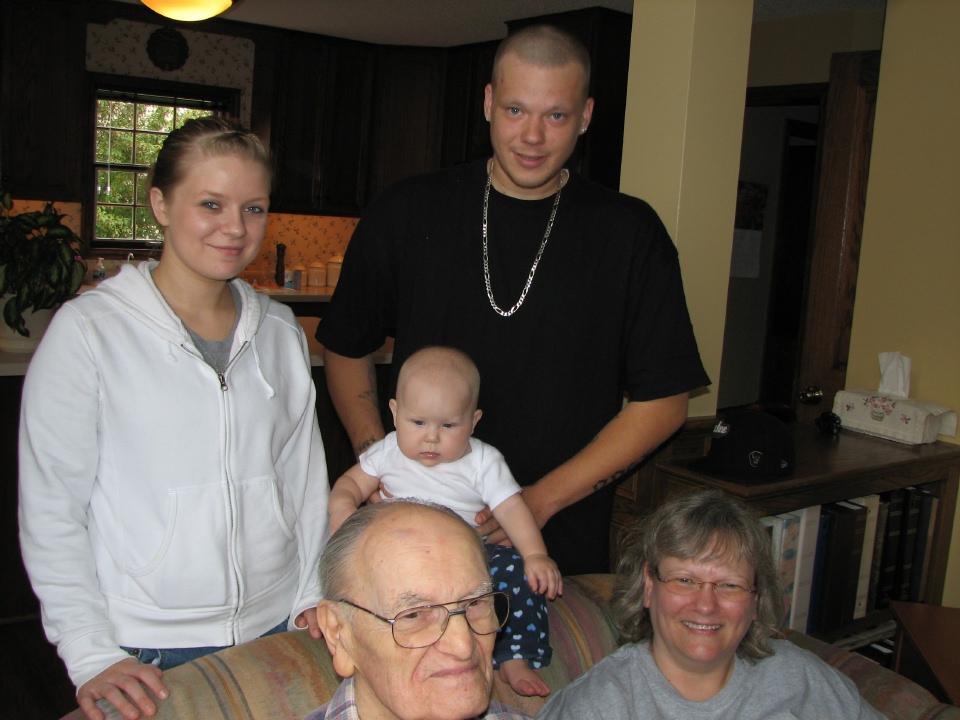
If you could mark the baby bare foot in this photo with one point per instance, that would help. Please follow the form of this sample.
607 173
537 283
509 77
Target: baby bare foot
523 679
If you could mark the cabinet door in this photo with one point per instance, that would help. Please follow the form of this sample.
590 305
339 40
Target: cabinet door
320 127
345 130
466 133
42 110
296 127
408 105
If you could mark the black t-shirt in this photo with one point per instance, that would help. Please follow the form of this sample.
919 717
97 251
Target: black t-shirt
605 317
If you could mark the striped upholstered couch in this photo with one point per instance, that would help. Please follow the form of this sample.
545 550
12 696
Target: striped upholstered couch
287 675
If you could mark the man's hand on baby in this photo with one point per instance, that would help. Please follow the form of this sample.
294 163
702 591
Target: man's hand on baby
543 575
488 528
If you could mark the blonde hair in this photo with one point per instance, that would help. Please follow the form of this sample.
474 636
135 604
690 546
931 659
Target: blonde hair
203 137
441 361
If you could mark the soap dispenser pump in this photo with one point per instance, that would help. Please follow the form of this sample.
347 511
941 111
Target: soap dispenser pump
100 272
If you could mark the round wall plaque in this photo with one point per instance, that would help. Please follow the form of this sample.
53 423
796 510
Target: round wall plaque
167 49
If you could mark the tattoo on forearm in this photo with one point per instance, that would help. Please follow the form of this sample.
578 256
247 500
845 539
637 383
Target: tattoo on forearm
613 478
364 445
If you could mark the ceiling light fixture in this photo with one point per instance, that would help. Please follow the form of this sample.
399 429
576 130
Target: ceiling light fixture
188 10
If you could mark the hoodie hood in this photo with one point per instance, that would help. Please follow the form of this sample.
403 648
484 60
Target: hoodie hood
134 290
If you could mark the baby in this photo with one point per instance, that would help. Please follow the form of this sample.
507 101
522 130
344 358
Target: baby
433 455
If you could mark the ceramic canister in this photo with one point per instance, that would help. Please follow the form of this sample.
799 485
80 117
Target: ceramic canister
316 274
333 270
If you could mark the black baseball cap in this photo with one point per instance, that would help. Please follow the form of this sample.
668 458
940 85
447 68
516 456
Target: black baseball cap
748 446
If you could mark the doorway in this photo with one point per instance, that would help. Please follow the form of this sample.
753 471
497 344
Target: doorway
823 318
778 164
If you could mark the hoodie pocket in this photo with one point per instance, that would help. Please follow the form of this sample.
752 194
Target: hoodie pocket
211 551
190 567
267 542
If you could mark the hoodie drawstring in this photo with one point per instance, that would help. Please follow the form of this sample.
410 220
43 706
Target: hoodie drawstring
271 393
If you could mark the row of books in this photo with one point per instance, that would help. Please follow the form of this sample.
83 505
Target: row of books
840 561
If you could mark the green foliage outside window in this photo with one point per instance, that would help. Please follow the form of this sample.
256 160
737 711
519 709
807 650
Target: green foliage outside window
128 137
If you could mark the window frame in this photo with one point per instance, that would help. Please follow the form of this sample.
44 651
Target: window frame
226 99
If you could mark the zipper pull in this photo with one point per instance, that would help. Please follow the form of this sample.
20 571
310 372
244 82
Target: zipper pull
223 381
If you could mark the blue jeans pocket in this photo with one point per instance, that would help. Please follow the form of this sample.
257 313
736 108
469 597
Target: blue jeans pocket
166 658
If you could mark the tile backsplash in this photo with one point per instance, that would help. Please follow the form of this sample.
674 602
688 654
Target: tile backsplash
309 238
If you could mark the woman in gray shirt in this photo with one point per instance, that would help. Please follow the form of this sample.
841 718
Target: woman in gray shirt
697 602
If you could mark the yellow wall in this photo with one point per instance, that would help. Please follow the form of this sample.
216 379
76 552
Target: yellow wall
681 155
797 50
908 290
685 100
690 64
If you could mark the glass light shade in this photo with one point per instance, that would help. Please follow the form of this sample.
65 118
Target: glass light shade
188 10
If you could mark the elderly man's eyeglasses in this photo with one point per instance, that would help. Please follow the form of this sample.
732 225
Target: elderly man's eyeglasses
684 585
422 626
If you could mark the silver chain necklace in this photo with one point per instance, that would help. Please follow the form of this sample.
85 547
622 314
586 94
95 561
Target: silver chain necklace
536 260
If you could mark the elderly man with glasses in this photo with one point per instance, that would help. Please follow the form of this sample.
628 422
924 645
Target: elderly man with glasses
410 617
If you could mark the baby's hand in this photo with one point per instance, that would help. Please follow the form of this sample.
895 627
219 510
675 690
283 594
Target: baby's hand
543 575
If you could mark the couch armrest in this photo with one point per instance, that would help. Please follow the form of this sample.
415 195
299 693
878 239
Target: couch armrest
893 695
281 676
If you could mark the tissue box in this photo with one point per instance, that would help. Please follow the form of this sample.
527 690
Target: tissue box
902 419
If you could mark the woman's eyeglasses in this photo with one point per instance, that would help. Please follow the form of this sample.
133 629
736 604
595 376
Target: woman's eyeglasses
685 585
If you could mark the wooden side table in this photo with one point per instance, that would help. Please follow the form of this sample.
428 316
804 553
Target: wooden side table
926 647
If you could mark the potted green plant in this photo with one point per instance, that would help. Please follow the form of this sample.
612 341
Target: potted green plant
40 263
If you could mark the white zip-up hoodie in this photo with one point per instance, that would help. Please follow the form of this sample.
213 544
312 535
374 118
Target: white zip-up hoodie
162 505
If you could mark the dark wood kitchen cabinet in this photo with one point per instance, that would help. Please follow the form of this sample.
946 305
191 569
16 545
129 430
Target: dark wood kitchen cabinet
349 119
17 599
42 107
319 130
345 131
407 120
466 132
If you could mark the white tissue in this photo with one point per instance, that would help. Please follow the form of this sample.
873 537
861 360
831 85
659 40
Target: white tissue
894 375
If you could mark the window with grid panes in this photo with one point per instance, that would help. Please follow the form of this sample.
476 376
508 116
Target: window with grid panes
130 128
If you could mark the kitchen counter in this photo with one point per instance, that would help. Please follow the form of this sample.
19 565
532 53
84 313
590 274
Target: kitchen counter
304 294
16 363
307 304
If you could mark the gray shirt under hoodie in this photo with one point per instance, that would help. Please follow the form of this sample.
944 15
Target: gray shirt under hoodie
792 683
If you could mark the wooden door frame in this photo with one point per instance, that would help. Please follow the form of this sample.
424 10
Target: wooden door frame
847 132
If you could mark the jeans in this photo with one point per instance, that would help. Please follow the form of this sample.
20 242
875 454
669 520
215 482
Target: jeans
166 658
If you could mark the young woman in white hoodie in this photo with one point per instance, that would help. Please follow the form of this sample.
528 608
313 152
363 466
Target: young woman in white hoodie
173 488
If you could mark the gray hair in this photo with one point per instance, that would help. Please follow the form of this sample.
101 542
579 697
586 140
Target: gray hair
545 46
706 525
337 561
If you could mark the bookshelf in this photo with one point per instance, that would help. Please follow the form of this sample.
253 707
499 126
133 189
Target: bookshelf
831 469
